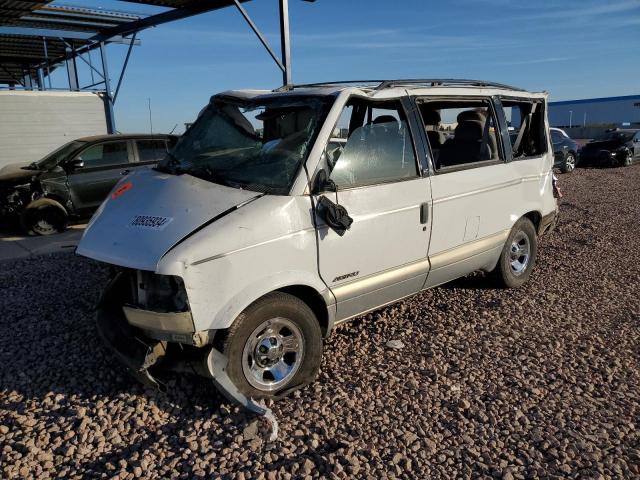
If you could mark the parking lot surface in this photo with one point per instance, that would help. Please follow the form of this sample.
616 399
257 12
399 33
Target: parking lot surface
18 245
537 382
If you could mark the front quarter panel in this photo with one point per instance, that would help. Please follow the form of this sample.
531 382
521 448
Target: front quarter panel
264 246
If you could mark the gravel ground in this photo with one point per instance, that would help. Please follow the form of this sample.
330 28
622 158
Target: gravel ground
480 382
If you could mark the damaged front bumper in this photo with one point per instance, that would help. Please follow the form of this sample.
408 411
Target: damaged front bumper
129 332
174 327
137 352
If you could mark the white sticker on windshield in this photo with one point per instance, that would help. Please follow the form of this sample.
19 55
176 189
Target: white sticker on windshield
150 222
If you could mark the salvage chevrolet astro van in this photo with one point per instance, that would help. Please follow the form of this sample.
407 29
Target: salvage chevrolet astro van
280 214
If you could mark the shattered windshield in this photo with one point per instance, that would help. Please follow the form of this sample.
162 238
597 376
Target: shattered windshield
57 156
255 145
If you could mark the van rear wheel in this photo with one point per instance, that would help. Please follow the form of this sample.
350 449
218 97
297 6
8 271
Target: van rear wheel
518 256
273 347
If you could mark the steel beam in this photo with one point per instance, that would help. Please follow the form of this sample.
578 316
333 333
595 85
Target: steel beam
79 55
16 79
43 32
41 85
72 73
101 82
124 67
111 120
258 33
46 59
285 41
194 7
27 81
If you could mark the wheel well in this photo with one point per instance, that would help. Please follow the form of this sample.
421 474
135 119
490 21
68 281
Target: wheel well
56 199
535 218
313 300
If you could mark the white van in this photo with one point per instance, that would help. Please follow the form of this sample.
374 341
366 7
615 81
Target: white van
280 214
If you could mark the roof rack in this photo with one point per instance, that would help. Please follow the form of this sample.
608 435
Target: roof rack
370 83
443 82
382 84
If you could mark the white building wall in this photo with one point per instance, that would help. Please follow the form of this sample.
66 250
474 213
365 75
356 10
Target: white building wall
597 111
32 124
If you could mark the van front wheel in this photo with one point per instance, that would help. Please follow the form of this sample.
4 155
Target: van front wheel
518 256
273 347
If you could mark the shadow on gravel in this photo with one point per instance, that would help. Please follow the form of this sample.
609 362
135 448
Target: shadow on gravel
51 357
476 281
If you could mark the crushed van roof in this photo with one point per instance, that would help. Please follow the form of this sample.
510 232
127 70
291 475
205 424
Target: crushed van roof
388 88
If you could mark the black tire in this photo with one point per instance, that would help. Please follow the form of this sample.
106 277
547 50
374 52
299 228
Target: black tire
569 164
507 274
44 217
274 307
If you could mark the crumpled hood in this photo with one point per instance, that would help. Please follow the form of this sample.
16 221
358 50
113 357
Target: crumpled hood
14 172
148 212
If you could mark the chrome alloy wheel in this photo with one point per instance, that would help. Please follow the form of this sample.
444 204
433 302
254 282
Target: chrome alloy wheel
570 163
520 253
273 354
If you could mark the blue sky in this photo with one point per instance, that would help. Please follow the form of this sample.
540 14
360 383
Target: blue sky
572 49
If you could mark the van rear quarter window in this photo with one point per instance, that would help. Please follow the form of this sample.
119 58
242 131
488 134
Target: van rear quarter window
526 127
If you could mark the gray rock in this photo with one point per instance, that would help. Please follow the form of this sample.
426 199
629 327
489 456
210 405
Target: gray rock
395 344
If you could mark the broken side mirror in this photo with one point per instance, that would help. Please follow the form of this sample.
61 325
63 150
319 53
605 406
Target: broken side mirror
76 163
336 216
323 183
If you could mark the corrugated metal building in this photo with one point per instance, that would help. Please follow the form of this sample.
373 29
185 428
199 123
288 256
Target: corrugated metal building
618 111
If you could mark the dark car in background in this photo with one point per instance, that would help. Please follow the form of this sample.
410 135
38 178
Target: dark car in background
73 180
619 147
565 150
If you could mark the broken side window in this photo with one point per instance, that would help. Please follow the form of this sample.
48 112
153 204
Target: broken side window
526 127
371 144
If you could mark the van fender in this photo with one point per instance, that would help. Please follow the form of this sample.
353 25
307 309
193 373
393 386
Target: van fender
228 313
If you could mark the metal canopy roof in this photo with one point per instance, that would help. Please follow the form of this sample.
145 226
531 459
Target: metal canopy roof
36 37
35 34
166 3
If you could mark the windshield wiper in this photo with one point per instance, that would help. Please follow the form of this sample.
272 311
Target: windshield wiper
212 176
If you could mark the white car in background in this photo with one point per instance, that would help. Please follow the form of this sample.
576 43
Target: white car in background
283 213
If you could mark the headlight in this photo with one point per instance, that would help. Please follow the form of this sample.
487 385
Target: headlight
162 292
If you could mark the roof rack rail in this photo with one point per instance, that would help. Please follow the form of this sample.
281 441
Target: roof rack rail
286 88
443 82
382 84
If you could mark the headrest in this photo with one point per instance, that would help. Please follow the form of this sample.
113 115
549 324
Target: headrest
470 130
471 115
385 119
431 117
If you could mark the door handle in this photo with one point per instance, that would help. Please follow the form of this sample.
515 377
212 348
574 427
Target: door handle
424 213
125 172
